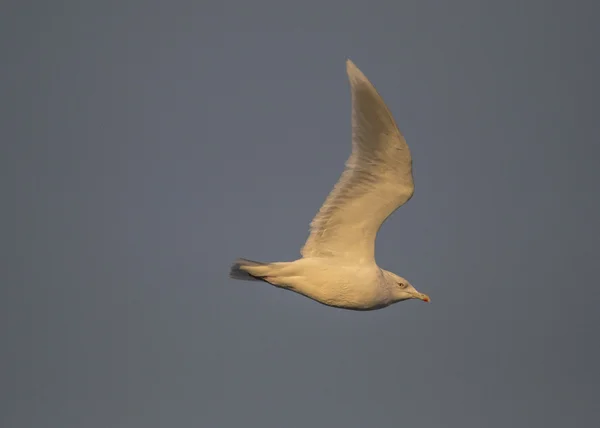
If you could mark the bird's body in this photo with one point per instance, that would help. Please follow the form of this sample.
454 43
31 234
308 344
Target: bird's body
330 281
338 265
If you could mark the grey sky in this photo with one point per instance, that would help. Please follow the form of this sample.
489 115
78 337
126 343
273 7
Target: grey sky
145 145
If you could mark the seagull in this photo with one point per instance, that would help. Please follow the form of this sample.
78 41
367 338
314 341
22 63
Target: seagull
338 267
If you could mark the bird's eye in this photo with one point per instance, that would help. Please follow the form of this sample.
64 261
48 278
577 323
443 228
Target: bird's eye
402 285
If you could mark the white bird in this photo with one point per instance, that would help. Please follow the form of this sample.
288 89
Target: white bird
338 265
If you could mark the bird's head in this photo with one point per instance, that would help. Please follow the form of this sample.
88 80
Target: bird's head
402 289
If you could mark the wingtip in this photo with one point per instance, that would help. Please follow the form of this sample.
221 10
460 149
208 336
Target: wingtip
350 66
354 73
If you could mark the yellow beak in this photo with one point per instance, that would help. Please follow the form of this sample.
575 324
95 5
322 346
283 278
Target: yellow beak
423 297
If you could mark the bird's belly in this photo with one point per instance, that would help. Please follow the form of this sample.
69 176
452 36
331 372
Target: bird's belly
354 301
343 294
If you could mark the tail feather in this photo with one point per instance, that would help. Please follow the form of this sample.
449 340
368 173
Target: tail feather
237 270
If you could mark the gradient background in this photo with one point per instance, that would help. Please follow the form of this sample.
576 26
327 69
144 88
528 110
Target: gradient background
145 145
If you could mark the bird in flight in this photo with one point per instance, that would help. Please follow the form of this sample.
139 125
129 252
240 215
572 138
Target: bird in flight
338 267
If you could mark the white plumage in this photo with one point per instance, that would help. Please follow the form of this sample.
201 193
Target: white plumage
338 265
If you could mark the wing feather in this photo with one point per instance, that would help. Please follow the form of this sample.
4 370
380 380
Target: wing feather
376 181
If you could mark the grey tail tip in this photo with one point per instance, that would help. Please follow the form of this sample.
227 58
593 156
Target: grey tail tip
236 271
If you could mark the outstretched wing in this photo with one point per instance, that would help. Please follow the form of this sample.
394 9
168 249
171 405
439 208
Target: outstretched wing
377 180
